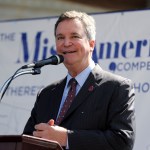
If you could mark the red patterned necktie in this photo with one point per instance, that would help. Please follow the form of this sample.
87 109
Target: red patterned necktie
68 101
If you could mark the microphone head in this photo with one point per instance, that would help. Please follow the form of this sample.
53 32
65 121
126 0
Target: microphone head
60 59
53 60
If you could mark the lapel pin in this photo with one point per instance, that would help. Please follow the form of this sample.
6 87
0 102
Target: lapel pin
91 88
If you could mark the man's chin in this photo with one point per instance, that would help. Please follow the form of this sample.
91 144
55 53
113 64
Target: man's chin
69 63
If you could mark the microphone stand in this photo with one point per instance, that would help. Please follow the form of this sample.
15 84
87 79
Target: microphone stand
18 73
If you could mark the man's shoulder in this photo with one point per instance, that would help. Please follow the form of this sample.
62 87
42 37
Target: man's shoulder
110 76
52 86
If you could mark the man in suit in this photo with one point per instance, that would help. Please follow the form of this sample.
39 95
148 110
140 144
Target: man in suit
102 115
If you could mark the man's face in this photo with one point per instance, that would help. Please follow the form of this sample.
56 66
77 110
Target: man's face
73 44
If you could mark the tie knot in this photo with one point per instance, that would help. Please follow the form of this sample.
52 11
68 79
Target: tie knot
72 81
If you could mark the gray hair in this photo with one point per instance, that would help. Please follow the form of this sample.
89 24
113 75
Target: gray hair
87 21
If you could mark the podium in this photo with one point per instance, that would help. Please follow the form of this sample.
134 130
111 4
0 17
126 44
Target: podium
27 142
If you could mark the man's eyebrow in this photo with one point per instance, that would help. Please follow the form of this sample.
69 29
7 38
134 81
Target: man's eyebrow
75 33
59 34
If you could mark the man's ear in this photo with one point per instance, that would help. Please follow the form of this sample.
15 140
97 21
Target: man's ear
92 45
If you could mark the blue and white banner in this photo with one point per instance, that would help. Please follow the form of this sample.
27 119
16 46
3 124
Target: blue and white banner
122 47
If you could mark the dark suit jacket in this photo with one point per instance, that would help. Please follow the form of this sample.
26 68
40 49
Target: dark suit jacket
101 116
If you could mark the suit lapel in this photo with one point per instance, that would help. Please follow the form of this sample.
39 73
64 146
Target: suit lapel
56 97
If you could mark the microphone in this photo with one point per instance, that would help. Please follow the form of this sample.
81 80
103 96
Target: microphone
53 60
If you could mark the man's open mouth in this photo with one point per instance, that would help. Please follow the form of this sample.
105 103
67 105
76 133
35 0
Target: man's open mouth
69 52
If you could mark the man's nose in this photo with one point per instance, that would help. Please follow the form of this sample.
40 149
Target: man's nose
67 42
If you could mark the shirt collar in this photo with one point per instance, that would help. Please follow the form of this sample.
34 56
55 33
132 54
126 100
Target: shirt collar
80 78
